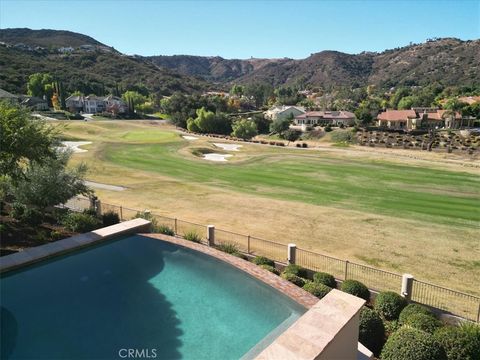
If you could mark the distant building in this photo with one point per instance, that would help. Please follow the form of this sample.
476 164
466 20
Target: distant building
5 95
398 119
115 105
419 118
35 103
75 103
334 118
66 50
93 104
469 99
283 112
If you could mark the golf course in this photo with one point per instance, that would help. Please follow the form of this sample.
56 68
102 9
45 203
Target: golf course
407 215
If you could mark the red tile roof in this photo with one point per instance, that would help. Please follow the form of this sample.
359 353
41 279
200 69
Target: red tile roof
397 115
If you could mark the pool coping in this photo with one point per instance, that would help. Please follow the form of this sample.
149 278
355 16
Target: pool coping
294 292
43 252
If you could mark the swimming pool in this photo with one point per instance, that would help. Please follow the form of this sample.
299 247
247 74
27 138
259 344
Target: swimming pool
138 294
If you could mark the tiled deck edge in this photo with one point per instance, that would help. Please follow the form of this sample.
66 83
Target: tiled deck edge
60 247
292 291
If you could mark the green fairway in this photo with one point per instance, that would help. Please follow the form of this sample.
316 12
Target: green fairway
438 196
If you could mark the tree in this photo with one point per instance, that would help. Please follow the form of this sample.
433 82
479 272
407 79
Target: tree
37 83
291 135
244 129
50 183
399 94
133 97
408 102
364 116
23 139
237 90
279 126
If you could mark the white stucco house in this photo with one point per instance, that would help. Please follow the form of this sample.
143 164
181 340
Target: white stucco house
283 112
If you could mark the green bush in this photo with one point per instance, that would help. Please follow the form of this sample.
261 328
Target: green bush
90 211
423 322
297 280
270 268
240 255
228 248
356 288
390 304
412 309
192 236
262 260
325 279
296 270
56 235
17 210
412 344
460 342
316 289
80 222
166 230
147 216
59 214
32 216
391 326
110 218
371 330
343 136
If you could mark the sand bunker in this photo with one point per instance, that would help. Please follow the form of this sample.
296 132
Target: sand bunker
188 137
228 147
74 145
216 157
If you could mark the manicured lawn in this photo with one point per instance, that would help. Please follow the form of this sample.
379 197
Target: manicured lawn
404 191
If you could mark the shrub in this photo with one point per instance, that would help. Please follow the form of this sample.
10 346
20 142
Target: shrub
110 218
371 331
270 268
390 304
423 322
56 235
147 216
412 344
296 270
192 236
32 216
262 260
328 128
59 214
459 342
316 289
325 279
228 248
90 211
356 288
412 309
240 255
391 326
294 279
17 210
80 222
166 230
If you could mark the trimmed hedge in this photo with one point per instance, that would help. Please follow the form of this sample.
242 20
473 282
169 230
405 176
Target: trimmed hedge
295 270
412 309
372 330
262 260
389 304
423 322
270 268
316 289
412 344
297 280
356 288
325 279
459 342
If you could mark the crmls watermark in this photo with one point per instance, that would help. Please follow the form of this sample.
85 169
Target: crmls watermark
137 353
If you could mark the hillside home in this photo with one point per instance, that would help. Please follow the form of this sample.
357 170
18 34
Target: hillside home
94 104
5 95
335 118
283 112
74 103
115 105
398 119
35 103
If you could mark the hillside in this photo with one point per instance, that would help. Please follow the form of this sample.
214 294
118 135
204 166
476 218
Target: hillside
46 38
96 70
447 61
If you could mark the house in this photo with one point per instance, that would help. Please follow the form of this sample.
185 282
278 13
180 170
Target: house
35 103
115 105
75 103
283 112
469 99
94 104
5 95
335 118
398 119
66 49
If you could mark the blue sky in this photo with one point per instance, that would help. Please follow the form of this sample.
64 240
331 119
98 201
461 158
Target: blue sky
241 29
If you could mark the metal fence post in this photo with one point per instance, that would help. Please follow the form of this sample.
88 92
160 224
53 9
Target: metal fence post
175 230
248 244
346 270
292 253
211 235
478 313
407 286
121 214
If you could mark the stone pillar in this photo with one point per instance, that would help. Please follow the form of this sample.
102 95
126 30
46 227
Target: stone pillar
407 286
292 253
211 235
98 207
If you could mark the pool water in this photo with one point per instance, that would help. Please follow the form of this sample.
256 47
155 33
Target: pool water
142 295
